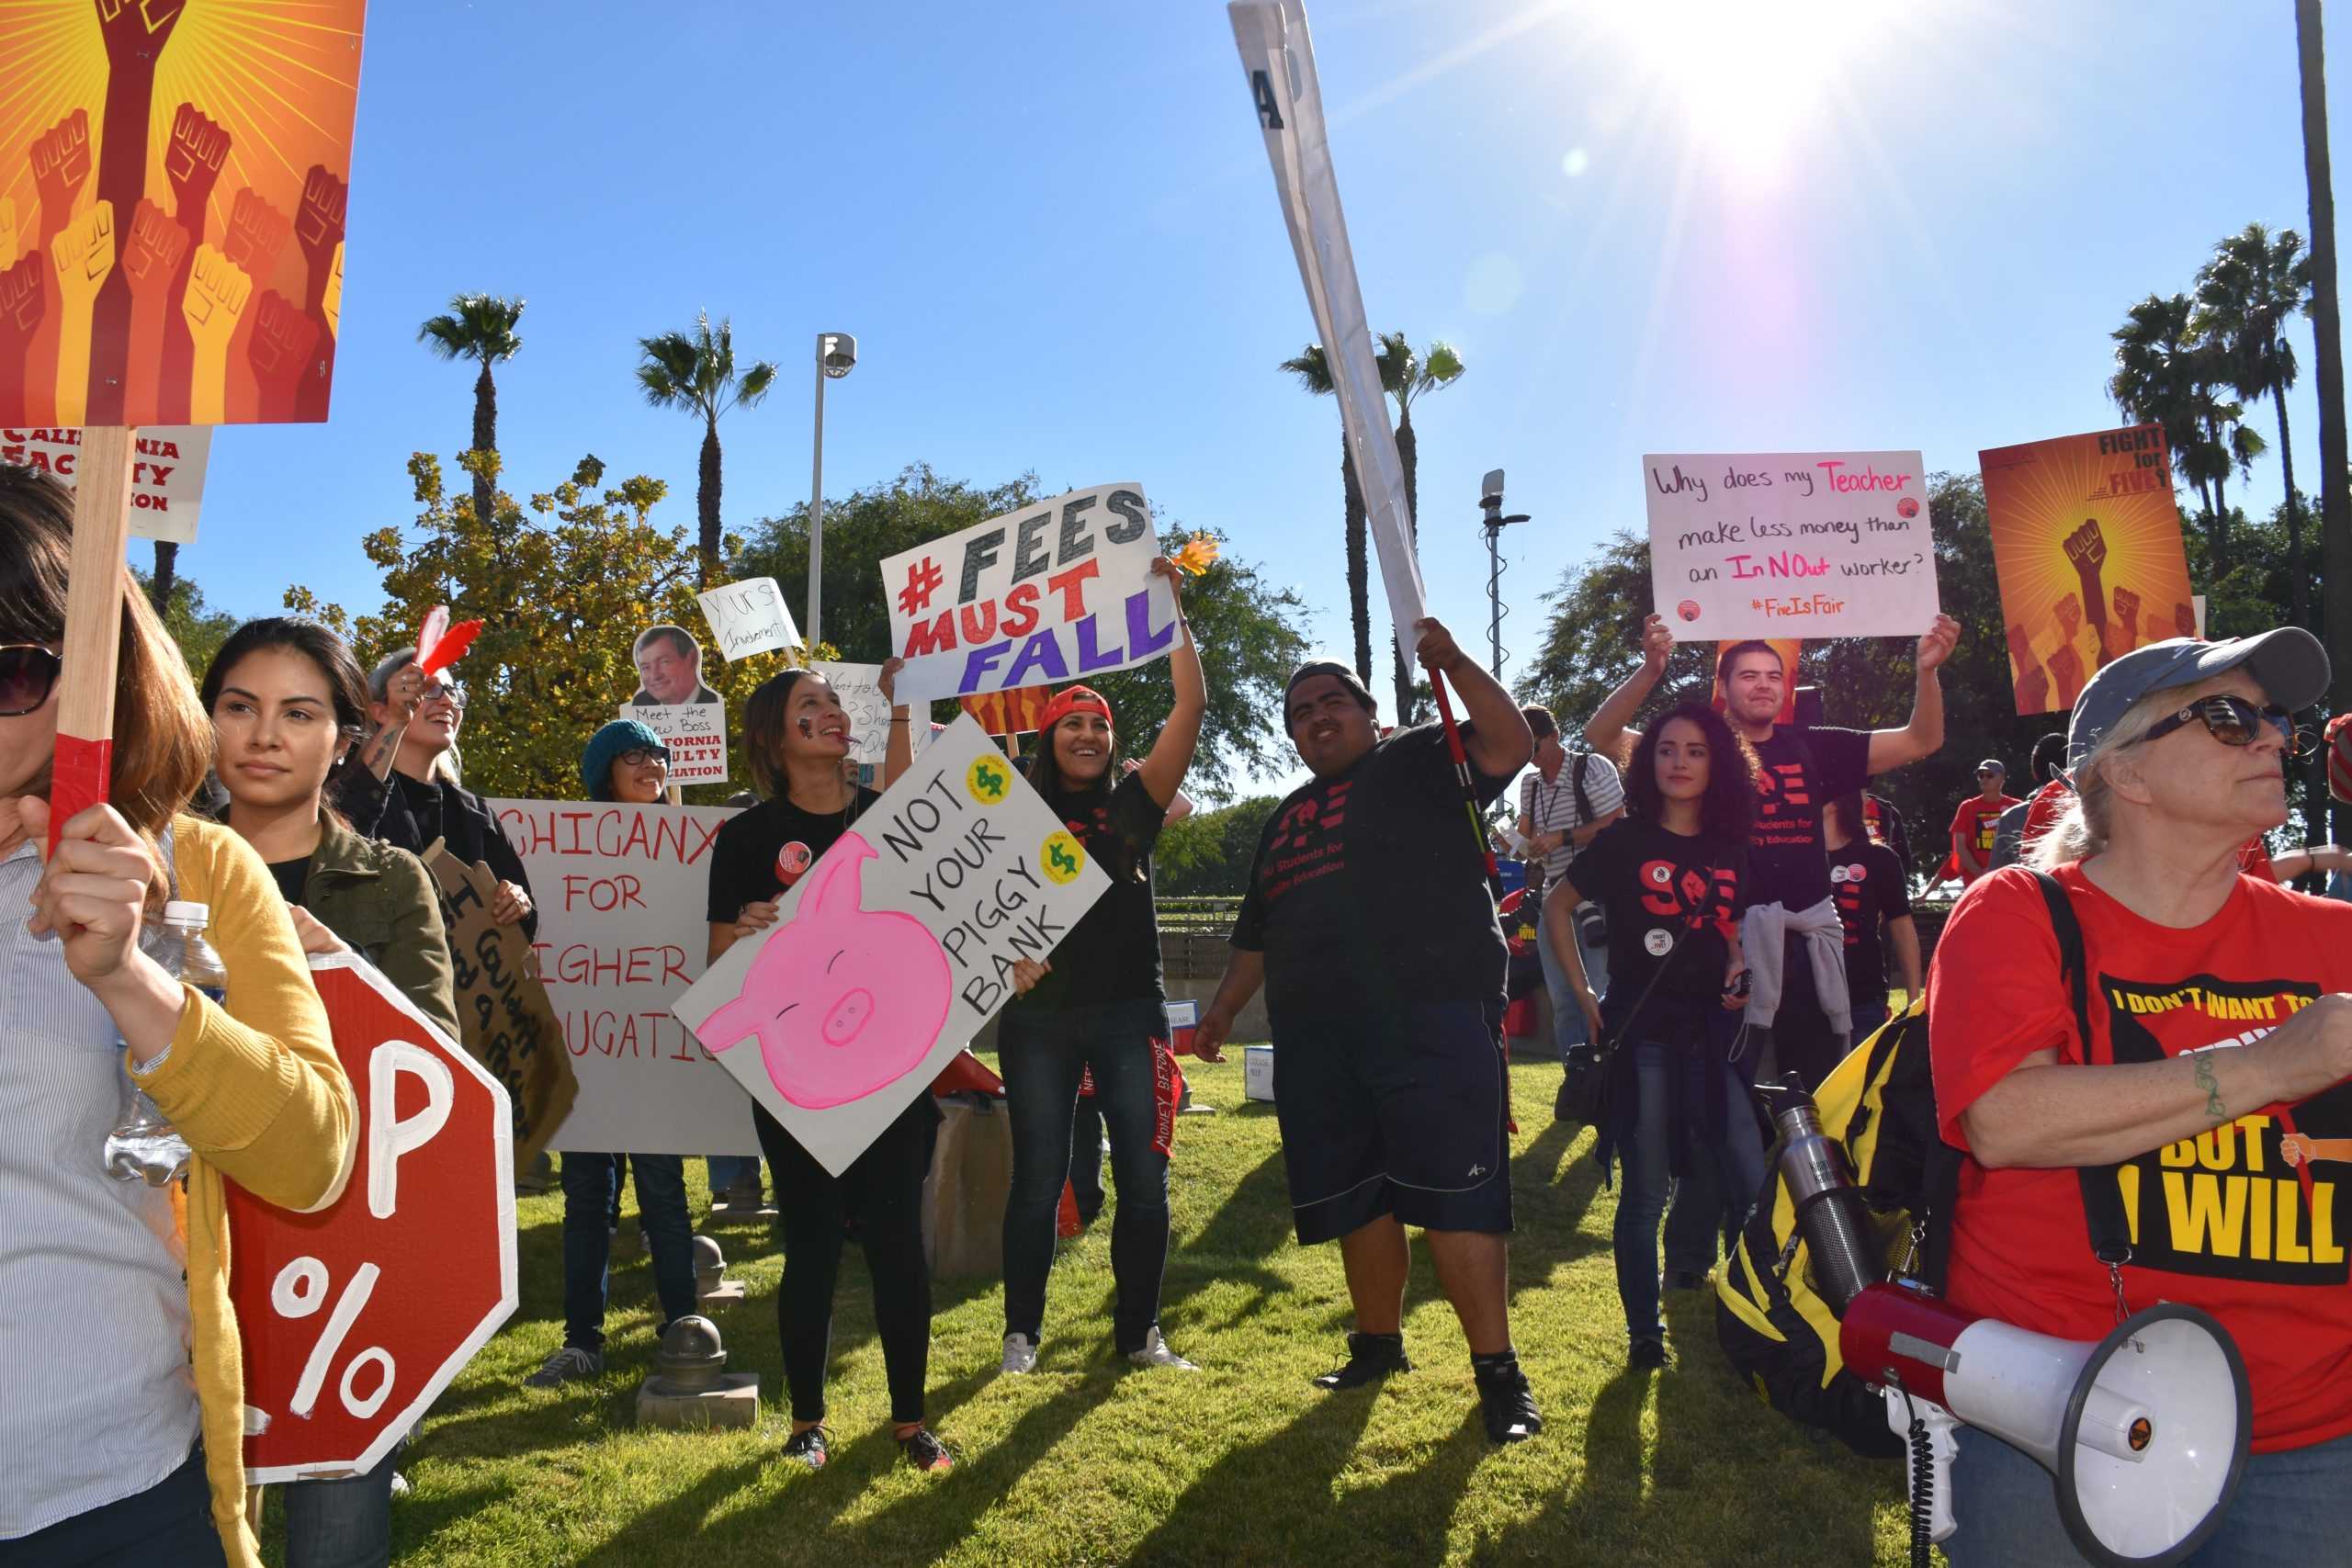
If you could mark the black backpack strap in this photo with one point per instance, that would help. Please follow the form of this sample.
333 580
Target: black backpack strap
1576 782
2110 1227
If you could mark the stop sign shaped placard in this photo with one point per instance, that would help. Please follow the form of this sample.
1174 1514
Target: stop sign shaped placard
353 1319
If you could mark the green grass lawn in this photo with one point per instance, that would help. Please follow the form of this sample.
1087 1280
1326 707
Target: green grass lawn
1085 1462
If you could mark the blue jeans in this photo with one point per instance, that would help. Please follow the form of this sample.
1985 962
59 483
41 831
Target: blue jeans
1647 1161
726 1170
346 1523
1043 1053
1568 1018
2289 1509
170 1522
591 1188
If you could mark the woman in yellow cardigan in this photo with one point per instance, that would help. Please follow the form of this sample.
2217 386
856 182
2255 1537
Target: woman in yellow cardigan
130 1452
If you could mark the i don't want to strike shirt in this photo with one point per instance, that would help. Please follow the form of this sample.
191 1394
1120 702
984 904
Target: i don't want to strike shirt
2249 1220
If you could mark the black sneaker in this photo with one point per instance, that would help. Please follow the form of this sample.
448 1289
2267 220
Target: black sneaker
1371 1356
926 1452
1649 1355
1508 1404
808 1446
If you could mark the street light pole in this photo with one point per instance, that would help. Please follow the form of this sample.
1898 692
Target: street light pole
1490 503
836 352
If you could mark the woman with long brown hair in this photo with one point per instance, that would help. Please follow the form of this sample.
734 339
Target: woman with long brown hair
134 1454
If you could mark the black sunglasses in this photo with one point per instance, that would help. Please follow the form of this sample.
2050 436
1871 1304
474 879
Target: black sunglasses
2231 721
27 674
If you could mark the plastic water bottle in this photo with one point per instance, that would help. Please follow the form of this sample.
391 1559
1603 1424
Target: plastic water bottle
143 1145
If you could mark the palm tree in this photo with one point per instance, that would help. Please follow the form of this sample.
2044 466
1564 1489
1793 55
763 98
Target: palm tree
2245 295
1313 373
479 326
2327 345
1404 376
696 371
2165 375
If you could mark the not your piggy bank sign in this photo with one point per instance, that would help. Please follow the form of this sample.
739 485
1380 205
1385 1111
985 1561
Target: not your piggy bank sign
891 952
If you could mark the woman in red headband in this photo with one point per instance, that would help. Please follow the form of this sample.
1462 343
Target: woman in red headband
1098 1004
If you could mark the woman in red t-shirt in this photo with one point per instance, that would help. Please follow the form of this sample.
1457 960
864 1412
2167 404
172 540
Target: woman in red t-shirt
2220 1032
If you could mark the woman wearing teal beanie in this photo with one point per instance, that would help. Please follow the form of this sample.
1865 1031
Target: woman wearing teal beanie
624 762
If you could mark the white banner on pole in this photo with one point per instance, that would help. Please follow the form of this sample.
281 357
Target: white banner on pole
1279 57
749 617
892 950
622 892
859 686
695 734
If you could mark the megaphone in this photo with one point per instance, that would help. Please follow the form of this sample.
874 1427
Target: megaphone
2147 1430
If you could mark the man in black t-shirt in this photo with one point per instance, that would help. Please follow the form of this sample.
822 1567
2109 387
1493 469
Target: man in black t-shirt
1875 906
1801 767
1370 923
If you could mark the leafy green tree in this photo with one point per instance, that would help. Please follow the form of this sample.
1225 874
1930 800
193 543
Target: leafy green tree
562 584
1313 373
479 327
1247 631
2255 283
1208 853
695 372
196 625
2169 372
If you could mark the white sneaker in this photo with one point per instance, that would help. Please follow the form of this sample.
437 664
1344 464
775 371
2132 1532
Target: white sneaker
1019 1354
1155 1353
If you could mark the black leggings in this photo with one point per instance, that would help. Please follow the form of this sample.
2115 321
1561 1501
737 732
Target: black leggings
881 1194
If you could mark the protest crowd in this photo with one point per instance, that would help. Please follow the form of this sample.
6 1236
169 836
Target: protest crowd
2075 1081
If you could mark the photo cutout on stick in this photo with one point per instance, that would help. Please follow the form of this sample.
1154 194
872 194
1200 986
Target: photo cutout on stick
669 668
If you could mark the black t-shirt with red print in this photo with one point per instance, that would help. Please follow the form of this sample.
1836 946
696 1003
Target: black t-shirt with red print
1800 770
1112 954
1659 888
1866 880
762 853
1368 891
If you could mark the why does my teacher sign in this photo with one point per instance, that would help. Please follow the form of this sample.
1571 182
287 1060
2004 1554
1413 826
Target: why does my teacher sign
1790 544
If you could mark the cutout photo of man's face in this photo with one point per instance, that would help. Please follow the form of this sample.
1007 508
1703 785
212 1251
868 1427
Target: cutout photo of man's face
669 665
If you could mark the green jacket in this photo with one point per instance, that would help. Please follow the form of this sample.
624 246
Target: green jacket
382 902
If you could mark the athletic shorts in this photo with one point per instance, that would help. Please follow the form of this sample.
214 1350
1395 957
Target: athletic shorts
1403 1114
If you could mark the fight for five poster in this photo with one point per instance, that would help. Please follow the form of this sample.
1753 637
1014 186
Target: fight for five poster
174 179
2086 544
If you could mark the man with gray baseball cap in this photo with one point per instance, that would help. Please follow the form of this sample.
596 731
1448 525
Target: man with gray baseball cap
2288 662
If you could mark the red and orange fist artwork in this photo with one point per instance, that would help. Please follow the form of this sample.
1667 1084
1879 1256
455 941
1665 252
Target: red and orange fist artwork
173 183
2086 544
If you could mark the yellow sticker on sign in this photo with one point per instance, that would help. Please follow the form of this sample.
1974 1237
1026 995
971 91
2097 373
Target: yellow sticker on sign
1061 857
988 779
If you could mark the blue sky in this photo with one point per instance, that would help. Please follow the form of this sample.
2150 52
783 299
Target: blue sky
1665 226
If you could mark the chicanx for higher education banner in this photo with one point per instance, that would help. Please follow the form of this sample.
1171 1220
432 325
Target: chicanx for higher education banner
1790 544
1055 591
891 952
622 892
166 476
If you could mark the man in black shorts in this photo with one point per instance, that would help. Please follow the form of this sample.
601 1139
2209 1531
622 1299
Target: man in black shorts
1370 923
1802 768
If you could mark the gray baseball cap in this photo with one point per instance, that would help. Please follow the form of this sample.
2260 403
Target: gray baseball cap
2288 662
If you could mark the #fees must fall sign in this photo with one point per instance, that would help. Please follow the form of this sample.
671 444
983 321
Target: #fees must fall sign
355 1317
1790 544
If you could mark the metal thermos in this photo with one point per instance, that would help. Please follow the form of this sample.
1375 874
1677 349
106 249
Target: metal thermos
1831 1214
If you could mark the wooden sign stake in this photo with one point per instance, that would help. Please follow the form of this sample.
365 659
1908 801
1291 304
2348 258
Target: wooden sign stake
94 611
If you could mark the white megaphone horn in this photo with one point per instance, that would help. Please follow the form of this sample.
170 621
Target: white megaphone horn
2147 1430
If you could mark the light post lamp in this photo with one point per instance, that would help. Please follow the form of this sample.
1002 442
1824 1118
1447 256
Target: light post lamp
836 355
1490 504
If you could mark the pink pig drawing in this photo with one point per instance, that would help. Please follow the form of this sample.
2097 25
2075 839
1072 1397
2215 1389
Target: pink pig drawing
844 1000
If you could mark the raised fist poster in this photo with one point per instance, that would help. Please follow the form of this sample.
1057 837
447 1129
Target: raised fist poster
1054 593
2086 544
892 949
172 214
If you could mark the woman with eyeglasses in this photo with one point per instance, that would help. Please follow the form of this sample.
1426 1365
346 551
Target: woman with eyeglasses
2187 1121
404 787
624 762
121 1389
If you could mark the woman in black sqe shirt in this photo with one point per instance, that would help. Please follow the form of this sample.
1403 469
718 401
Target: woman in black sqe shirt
1098 1002
795 735
1670 876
